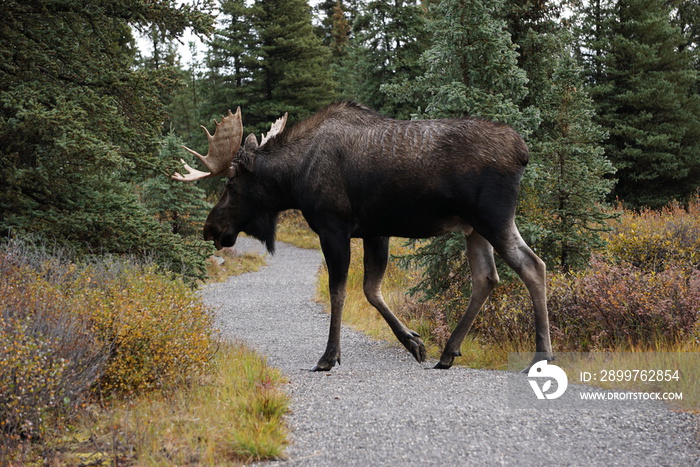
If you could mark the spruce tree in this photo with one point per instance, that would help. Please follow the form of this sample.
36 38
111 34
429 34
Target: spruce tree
295 67
328 15
567 181
471 67
180 206
645 89
562 202
268 60
340 31
470 70
388 40
231 60
80 125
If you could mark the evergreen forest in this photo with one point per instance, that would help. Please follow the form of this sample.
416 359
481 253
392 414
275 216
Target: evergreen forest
96 102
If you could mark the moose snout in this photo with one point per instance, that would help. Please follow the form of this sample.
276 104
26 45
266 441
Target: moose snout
221 239
211 234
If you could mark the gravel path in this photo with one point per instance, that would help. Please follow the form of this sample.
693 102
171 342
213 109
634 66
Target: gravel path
381 407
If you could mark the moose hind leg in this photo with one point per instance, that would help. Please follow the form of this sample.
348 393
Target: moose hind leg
532 272
375 261
484 279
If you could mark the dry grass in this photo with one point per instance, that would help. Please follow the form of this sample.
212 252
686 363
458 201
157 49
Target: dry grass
231 417
293 229
226 262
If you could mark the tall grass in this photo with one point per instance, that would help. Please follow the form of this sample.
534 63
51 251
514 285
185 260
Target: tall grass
228 263
293 229
231 416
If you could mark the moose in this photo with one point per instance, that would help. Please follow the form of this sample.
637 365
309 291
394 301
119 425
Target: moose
354 173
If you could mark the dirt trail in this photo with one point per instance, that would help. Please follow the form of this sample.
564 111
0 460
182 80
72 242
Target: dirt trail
381 407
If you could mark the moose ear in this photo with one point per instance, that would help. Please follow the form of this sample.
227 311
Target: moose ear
247 156
251 143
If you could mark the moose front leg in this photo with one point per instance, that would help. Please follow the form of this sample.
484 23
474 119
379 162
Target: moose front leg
376 258
336 250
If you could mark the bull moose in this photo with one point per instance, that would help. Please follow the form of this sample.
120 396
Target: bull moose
354 173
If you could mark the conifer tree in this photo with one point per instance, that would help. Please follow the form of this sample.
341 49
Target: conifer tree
471 67
230 60
340 31
186 101
562 201
645 88
268 60
328 14
567 181
388 40
80 125
180 206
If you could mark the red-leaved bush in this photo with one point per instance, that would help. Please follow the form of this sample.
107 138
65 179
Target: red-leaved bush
603 307
621 304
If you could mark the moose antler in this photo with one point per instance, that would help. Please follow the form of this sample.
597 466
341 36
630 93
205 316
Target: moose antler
223 146
275 129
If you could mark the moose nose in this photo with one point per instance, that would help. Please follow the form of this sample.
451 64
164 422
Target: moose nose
210 233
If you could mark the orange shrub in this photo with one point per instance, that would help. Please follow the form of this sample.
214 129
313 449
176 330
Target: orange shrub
158 328
66 328
657 240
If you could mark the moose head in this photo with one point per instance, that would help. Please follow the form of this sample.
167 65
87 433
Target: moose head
233 212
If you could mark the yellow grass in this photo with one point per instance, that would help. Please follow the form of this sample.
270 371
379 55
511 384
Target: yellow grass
293 229
226 263
232 417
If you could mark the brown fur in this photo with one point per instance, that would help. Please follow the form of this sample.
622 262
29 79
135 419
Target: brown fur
355 173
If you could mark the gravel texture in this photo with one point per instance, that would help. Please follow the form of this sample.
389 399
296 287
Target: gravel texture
381 407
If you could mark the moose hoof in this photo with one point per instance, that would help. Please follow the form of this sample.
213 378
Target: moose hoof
447 359
325 364
442 366
413 343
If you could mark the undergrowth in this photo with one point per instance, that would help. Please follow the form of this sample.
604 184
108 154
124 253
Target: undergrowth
227 262
293 229
233 415
109 343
